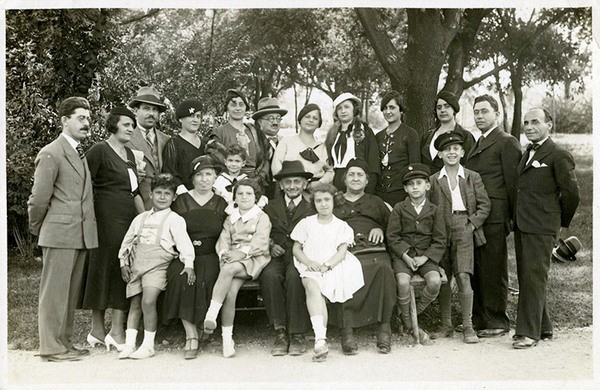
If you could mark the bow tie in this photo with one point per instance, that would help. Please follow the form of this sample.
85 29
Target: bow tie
533 146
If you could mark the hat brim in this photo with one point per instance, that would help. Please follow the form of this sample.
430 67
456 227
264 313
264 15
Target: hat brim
266 111
283 175
411 176
148 100
353 98
556 256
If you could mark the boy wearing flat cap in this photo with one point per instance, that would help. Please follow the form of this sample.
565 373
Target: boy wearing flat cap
465 205
416 235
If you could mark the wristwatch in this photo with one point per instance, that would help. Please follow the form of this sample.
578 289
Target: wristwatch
328 266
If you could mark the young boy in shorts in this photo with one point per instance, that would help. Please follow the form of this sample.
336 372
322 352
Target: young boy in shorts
154 239
464 202
416 235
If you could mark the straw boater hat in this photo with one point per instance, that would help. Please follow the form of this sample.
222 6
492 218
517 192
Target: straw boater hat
566 250
148 95
345 96
268 105
292 169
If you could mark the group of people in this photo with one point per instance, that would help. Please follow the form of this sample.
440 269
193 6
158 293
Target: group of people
333 230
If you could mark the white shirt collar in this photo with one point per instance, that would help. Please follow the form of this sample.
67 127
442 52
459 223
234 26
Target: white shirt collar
419 206
296 200
461 172
71 140
143 129
163 211
542 141
235 215
488 132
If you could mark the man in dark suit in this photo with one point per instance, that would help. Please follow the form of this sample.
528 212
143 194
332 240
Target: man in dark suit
61 213
281 285
495 157
267 120
147 107
547 198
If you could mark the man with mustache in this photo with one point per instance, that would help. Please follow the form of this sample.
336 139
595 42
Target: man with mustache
61 213
147 107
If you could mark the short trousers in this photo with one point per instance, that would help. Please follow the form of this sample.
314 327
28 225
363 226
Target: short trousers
462 248
400 267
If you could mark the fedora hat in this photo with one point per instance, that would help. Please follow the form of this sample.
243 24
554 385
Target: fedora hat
292 168
268 105
345 96
148 95
566 250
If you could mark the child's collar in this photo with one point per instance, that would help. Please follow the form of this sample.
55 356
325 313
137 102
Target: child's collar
152 212
461 171
231 178
253 212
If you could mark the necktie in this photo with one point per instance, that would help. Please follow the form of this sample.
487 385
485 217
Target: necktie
291 207
479 141
80 151
150 138
342 144
533 146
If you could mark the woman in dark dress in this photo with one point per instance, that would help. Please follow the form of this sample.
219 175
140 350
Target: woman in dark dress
350 137
180 150
116 203
204 214
368 216
445 110
399 146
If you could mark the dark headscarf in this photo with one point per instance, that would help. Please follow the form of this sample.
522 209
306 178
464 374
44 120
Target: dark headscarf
449 98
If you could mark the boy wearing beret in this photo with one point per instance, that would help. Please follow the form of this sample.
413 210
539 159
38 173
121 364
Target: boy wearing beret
416 235
463 200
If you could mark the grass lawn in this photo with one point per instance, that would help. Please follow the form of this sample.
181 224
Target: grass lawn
570 297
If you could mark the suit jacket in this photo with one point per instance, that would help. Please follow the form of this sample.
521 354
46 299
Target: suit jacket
474 197
548 194
138 142
281 226
425 232
61 206
496 159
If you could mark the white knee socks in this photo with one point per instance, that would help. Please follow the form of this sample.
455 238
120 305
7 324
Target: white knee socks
318 327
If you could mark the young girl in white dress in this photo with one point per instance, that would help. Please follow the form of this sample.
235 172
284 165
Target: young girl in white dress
327 269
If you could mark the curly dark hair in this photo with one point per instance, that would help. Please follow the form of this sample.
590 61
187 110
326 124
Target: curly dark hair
250 183
164 180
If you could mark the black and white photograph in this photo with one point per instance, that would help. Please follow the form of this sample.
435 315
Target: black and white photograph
282 195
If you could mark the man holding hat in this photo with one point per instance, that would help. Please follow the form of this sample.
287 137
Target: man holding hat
495 157
183 148
281 286
267 119
547 198
147 107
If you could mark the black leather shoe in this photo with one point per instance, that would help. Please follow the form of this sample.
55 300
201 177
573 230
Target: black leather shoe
68 356
79 351
349 345
384 342
297 345
546 336
281 345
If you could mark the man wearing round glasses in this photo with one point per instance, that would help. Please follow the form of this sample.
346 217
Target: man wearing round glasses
267 119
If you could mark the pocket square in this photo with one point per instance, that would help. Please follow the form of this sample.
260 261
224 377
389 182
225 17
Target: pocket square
536 164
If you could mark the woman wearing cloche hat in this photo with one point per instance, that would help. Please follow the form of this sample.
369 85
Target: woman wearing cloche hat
181 149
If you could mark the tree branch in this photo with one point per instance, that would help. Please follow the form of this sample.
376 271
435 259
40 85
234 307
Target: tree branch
151 12
521 49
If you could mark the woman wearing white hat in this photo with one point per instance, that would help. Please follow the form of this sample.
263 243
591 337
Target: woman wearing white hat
350 137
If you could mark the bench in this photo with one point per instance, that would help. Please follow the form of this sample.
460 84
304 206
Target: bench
253 287
418 281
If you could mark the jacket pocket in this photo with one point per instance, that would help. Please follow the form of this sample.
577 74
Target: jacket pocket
60 218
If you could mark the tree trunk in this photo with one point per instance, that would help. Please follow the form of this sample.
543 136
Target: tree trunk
516 79
460 49
502 97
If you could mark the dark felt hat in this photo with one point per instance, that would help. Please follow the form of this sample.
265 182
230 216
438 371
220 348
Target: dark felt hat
232 93
360 163
415 171
292 169
268 105
203 162
449 98
446 139
566 250
124 111
188 107
148 95
309 108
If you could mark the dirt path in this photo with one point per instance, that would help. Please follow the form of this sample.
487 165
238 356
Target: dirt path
567 358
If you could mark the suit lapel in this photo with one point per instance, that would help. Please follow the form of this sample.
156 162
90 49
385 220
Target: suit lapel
139 143
539 154
72 157
443 182
408 207
301 210
427 208
485 143
280 209
161 140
